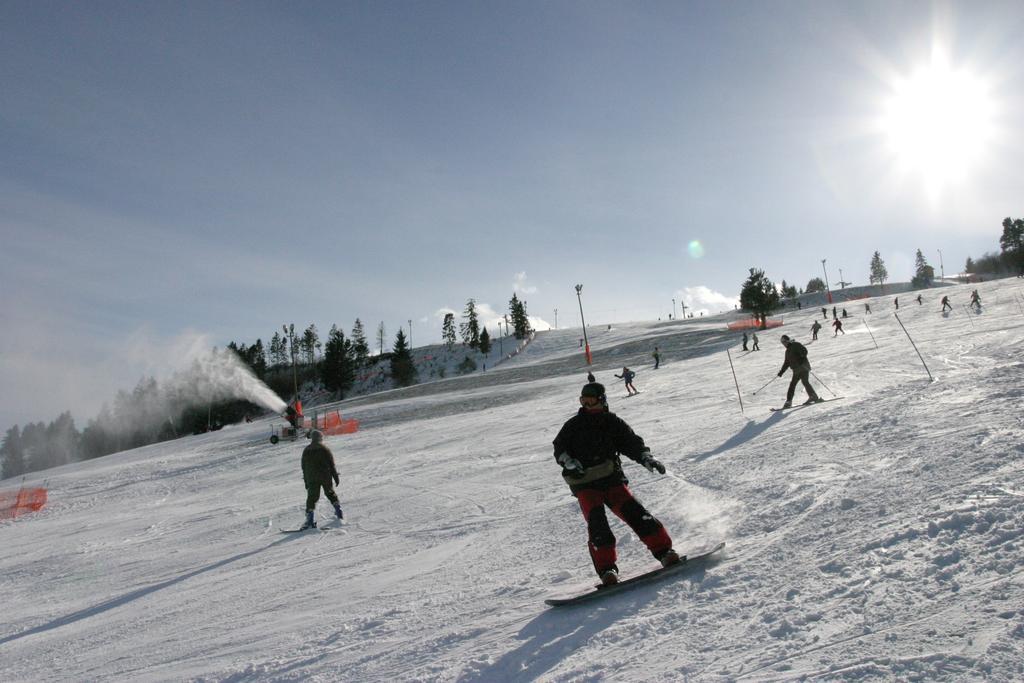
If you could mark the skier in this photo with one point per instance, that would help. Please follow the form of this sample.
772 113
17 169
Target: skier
318 470
755 347
919 300
745 342
844 314
657 358
627 379
946 304
814 330
896 303
834 316
824 313
588 448
837 324
975 300
590 377
867 308
796 358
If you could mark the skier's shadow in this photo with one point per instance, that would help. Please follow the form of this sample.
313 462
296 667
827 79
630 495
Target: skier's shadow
114 603
750 431
556 634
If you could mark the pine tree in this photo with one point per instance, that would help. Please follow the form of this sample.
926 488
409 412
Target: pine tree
309 344
13 452
878 273
336 371
448 330
360 349
403 372
923 273
470 330
520 321
278 350
258 359
485 341
815 284
759 296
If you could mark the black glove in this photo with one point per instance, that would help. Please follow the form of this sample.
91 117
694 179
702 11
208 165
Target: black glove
648 461
780 374
336 479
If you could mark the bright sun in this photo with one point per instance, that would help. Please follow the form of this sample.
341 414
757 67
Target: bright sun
938 122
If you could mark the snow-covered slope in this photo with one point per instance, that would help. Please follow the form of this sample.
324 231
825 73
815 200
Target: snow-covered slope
878 537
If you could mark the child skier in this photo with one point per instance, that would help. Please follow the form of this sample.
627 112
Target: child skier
318 471
588 448
796 358
627 378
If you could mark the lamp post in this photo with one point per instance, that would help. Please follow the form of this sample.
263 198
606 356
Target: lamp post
674 309
828 290
586 342
942 270
410 335
556 318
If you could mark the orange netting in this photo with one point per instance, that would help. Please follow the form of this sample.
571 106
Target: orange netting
333 423
15 503
753 324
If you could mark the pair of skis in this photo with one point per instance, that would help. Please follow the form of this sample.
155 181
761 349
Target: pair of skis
806 405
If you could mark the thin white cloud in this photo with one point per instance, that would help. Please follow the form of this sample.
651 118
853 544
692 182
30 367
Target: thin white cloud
519 284
704 300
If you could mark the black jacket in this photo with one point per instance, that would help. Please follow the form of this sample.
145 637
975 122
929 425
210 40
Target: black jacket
318 465
597 440
796 357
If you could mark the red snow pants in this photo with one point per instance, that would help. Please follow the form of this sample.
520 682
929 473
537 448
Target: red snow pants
619 500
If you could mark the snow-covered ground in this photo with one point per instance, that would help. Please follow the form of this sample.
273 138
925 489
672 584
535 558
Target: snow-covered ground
878 537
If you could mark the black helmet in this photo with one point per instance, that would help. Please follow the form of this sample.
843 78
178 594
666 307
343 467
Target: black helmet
785 338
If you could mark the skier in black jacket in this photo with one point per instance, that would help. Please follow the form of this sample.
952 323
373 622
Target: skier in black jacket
588 448
796 358
318 471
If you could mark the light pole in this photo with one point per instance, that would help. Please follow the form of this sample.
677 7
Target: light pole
556 318
674 309
942 270
828 290
410 335
842 280
586 342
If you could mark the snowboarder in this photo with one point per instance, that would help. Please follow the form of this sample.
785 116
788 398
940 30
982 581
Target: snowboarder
588 448
657 358
946 304
745 342
318 471
837 325
627 379
975 300
755 347
796 358
814 330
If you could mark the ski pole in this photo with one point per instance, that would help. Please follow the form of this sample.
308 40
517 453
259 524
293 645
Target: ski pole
735 381
769 382
822 383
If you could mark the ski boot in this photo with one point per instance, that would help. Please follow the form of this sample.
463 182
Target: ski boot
337 511
787 404
816 399
671 557
310 522
609 577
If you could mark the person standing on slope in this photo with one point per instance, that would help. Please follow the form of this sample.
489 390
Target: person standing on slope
796 358
588 447
756 344
657 357
814 330
975 300
627 379
946 304
745 338
837 325
318 472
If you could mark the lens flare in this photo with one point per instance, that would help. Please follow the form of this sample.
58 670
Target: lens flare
695 249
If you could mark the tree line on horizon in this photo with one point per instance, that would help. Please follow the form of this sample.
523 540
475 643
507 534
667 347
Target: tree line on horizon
152 413
760 296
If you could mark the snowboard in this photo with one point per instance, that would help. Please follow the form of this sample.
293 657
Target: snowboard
806 405
694 560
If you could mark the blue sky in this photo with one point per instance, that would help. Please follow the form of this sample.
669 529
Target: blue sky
203 170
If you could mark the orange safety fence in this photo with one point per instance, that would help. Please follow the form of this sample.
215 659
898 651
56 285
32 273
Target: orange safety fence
15 503
333 424
753 324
